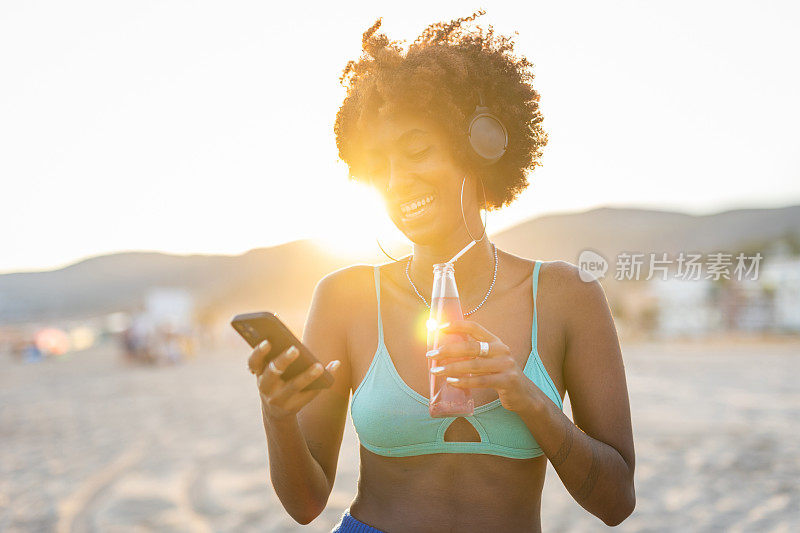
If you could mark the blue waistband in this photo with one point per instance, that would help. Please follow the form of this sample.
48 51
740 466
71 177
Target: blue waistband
348 524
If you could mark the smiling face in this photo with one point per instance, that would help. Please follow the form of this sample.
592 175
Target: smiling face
408 161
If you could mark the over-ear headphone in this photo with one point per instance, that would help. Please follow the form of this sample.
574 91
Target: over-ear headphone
486 133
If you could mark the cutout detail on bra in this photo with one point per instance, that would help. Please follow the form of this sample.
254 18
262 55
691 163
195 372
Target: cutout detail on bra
460 424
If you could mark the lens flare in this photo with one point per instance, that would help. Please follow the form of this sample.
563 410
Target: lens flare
351 221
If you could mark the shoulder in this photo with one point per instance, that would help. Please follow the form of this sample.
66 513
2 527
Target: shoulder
562 275
345 275
573 294
555 276
336 304
559 283
347 286
558 275
566 278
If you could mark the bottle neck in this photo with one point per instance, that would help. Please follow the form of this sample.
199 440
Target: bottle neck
444 282
474 270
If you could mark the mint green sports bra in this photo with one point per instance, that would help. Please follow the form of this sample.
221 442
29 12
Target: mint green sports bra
392 419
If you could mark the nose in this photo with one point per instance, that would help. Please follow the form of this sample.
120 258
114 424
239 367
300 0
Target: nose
398 176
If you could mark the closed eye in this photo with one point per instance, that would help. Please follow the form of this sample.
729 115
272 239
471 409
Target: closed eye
420 154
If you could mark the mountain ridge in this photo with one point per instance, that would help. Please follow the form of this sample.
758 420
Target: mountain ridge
283 276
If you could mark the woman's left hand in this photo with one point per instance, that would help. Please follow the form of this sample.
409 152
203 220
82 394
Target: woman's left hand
496 370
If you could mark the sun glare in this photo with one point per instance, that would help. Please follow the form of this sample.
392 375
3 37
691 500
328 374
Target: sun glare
357 218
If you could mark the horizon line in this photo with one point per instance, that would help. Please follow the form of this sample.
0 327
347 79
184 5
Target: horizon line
579 211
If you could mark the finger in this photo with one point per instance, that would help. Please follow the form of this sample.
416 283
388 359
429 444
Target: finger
471 328
465 349
258 357
478 365
300 399
298 383
485 381
282 361
453 349
268 382
270 378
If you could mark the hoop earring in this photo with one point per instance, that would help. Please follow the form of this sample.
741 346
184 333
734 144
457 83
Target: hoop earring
484 209
384 251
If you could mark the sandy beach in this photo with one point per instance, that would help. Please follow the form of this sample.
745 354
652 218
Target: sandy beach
90 444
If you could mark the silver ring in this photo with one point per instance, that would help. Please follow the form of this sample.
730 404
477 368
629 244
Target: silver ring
484 348
273 368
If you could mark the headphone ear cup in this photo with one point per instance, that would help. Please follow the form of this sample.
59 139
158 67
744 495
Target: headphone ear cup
487 136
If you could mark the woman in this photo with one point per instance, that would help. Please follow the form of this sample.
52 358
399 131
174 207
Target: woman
535 329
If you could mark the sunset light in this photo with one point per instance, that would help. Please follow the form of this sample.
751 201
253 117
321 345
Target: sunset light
529 266
352 220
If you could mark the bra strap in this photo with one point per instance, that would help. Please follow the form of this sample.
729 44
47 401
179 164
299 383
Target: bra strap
535 284
378 297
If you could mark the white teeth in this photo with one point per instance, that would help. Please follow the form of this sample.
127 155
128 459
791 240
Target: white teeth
412 208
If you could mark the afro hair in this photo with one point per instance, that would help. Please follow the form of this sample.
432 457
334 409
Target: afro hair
438 77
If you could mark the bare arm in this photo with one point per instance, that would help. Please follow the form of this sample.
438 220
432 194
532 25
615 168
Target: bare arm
303 445
594 457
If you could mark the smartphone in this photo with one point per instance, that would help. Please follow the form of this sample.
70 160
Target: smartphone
255 327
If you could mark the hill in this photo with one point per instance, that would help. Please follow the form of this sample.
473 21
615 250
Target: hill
283 277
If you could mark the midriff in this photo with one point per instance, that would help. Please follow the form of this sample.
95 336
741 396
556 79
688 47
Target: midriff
449 492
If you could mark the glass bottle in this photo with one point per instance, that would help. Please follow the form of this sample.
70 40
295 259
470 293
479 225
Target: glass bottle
446 399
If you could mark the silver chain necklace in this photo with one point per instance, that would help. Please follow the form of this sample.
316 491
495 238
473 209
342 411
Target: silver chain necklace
494 278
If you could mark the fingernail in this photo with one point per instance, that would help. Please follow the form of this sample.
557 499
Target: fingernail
317 368
335 364
432 353
263 344
437 369
451 379
293 350
444 325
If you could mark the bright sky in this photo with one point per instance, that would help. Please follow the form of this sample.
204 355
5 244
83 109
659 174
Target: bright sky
207 127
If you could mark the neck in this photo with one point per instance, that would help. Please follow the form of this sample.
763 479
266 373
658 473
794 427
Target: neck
474 269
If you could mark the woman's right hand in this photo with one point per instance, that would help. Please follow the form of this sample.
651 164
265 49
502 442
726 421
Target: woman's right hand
281 399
